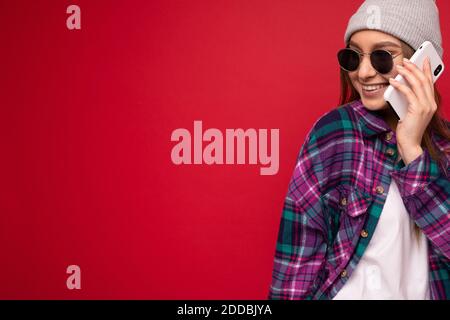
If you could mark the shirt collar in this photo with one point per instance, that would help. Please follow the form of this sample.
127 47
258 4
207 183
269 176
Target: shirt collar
370 122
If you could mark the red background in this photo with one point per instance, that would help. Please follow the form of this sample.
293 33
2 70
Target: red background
86 118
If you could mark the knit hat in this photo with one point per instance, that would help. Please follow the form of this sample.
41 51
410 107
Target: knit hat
412 21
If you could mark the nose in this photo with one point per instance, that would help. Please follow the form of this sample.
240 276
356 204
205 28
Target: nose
365 68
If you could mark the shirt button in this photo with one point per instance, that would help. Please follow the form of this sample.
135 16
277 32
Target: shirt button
390 152
379 189
364 234
389 136
344 201
343 273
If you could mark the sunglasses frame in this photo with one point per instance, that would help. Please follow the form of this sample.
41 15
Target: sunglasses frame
362 54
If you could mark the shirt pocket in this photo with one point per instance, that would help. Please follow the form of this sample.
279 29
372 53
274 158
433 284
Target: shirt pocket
346 199
344 209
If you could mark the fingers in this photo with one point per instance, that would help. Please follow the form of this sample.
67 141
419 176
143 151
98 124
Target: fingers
409 94
421 81
416 80
427 70
429 73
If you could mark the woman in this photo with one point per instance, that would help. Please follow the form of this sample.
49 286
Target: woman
367 214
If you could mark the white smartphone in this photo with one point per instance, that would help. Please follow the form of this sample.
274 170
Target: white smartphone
395 98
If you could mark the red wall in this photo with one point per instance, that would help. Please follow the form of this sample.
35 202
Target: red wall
86 119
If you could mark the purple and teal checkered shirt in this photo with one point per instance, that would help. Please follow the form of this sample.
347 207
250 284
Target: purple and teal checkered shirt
335 198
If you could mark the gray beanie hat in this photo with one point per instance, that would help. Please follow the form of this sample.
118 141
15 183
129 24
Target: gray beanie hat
412 21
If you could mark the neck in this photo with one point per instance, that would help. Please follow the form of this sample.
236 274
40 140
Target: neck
389 116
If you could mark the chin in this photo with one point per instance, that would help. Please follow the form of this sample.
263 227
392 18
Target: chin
374 104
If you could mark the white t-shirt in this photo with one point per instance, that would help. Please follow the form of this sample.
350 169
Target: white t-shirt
395 263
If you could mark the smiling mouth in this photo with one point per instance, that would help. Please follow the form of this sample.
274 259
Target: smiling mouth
373 88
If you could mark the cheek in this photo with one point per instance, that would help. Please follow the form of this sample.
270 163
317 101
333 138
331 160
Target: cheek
391 74
387 76
353 78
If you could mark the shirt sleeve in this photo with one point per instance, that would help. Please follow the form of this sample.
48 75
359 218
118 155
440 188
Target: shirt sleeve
301 243
425 190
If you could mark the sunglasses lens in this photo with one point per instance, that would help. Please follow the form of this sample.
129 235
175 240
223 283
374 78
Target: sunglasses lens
348 59
382 61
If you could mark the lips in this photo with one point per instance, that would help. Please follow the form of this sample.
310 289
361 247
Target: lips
371 88
373 91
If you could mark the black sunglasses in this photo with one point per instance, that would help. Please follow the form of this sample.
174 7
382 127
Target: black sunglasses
382 61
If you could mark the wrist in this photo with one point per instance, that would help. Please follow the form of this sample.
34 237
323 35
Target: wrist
410 153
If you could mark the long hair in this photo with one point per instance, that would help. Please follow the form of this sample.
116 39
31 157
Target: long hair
437 124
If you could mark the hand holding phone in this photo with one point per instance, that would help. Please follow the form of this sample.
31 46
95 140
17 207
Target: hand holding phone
395 98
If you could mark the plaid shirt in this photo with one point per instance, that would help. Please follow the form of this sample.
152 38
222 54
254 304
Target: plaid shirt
335 198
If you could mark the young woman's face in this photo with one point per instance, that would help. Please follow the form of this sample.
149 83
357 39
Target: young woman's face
365 79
